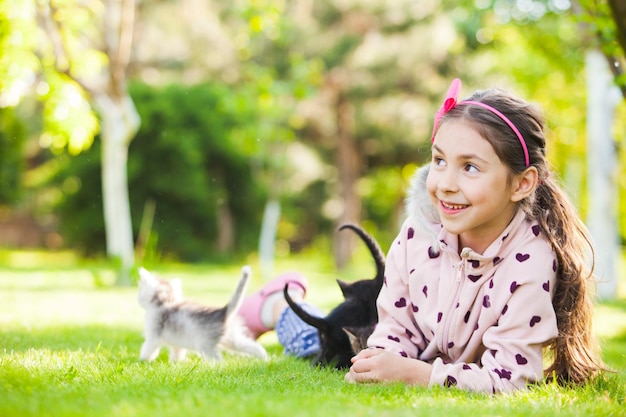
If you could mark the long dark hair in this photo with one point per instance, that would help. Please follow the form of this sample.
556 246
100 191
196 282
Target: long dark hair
575 353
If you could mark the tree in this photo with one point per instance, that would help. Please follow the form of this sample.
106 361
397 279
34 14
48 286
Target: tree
605 28
274 74
186 164
76 55
618 9
606 24
372 110
582 143
86 49
77 30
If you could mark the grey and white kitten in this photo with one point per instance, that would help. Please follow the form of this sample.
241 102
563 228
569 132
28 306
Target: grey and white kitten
183 324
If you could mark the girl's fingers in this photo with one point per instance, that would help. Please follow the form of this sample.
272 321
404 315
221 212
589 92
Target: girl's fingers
364 365
353 376
366 353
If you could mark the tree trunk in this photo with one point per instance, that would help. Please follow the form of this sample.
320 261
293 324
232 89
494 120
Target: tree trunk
267 240
225 228
618 8
119 124
348 164
602 220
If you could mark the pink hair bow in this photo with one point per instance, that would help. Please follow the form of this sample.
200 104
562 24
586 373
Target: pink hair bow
451 101
448 104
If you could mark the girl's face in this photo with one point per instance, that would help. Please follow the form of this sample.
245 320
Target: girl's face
470 186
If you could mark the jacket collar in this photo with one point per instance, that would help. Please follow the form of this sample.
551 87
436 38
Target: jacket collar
449 242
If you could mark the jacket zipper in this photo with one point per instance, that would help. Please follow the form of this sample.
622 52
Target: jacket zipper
449 312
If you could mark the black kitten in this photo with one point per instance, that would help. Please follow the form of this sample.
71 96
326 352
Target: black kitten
357 310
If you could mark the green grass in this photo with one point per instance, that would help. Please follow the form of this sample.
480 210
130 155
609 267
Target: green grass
69 347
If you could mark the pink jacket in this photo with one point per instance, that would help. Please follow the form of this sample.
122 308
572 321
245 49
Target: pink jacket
481 320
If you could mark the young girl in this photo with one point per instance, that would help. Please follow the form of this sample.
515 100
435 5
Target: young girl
510 275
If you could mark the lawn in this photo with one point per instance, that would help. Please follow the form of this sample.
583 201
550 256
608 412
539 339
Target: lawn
69 345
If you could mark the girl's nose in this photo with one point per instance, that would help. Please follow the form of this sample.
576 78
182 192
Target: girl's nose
448 181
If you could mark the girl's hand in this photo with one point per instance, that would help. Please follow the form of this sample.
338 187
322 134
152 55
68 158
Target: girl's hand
378 365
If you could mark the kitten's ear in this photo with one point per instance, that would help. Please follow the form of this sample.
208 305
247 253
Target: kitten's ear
358 336
345 287
350 331
355 342
145 276
177 288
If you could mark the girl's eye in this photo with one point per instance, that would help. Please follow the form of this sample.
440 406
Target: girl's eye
471 168
438 161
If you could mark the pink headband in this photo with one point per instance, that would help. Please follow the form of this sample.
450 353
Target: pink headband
451 101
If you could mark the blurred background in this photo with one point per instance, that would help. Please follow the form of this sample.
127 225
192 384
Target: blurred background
200 131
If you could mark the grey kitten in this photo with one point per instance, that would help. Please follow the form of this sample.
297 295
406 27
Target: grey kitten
358 336
184 325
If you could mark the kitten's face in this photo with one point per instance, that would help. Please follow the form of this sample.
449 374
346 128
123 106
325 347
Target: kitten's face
358 337
156 292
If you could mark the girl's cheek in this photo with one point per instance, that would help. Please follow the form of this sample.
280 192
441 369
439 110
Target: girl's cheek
431 183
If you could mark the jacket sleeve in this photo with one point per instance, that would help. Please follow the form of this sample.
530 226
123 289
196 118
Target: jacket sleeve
396 330
513 345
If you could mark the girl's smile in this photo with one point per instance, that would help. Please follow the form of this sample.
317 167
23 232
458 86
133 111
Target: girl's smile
451 208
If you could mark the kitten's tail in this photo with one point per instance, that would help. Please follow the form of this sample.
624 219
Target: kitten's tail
372 245
318 322
235 302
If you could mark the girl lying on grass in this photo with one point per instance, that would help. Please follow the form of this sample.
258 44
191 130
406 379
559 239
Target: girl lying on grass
511 274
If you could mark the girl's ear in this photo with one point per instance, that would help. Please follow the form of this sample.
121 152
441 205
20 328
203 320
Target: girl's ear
524 184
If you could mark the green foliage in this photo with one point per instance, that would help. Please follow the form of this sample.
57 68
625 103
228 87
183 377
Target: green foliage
79 205
11 156
378 190
18 62
276 77
28 64
68 119
600 22
391 60
186 160
533 55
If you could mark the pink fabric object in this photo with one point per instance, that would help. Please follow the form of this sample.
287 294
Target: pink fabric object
450 102
480 319
251 307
